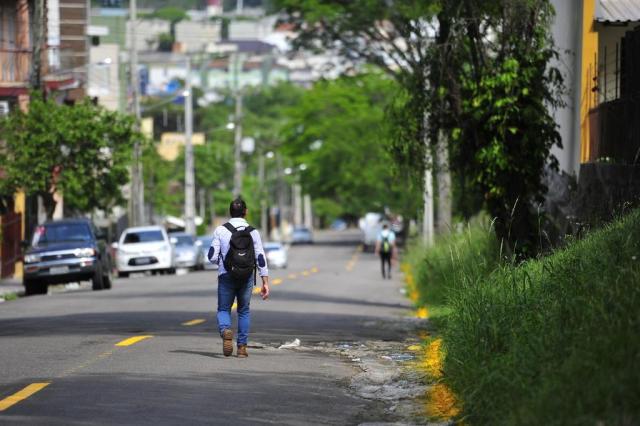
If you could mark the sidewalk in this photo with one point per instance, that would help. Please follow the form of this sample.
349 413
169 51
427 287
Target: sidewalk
10 287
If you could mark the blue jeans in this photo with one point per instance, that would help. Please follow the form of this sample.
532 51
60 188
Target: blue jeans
228 291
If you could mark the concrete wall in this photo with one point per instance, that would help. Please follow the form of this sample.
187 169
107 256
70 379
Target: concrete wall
566 31
103 75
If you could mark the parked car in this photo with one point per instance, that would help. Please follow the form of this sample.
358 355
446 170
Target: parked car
339 225
276 255
66 251
145 248
205 243
187 250
301 235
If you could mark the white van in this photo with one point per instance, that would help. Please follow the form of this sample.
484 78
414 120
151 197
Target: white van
370 225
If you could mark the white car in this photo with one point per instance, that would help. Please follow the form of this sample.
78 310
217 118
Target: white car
276 255
144 248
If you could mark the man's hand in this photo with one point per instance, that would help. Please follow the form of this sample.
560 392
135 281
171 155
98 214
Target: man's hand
264 292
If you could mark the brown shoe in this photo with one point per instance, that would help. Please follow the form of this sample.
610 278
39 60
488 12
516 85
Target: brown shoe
227 342
242 351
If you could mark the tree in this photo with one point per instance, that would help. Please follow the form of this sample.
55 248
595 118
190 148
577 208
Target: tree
398 37
83 151
500 89
338 131
479 71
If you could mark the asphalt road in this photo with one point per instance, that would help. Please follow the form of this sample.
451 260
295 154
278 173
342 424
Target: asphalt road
59 351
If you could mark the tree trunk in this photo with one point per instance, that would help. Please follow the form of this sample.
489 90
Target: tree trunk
443 177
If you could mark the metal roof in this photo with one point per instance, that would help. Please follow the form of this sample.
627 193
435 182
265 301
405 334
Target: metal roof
617 10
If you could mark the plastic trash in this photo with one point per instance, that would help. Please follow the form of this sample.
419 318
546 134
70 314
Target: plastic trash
293 344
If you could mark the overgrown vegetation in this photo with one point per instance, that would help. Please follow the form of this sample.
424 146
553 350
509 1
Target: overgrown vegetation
550 341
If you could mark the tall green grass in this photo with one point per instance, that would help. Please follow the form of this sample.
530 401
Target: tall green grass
552 341
470 253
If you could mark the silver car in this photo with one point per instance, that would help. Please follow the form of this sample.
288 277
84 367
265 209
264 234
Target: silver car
187 251
205 241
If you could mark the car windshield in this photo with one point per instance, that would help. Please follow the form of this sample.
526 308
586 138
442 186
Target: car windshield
143 237
184 240
272 247
61 232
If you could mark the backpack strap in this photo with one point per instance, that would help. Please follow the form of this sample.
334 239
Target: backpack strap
230 227
249 229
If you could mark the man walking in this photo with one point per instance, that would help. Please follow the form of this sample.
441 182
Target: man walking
237 250
385 247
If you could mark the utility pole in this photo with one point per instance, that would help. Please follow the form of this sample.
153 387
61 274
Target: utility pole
189 174
308 213
427 219
38 36
237 157
137 185
297 204
263 194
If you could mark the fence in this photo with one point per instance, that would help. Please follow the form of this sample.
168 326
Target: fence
11 225
615 121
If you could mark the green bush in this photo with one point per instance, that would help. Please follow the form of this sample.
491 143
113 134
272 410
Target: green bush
552 341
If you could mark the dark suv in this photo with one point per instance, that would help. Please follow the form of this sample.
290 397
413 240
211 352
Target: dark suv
66 251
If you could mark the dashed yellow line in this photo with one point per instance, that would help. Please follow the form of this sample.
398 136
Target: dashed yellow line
256 290
314 270
132 340
277 281
305 273
352 263
292 276
194 322
22 395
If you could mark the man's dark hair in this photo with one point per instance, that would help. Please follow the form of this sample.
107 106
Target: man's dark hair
385 226
238 208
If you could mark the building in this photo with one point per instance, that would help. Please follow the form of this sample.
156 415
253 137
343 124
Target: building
197 36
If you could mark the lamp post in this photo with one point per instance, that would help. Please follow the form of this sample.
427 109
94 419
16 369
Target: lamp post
189 173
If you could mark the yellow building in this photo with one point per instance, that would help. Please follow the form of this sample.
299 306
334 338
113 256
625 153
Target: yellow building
171 143
609 75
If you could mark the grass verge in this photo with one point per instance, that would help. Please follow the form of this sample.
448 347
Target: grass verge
552 341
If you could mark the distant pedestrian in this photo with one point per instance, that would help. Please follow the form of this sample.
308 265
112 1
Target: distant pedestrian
237 249
385 247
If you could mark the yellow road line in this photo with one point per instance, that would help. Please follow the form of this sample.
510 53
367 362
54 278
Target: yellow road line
256 290
132 340
292 276
234 306
22 394
277 281
194 322
305 273
314 270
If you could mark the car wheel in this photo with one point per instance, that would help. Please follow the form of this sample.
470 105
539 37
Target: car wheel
171 271
97 282
32 287
107 280
123 275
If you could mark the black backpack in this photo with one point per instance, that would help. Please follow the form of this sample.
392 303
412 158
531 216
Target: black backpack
240 261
